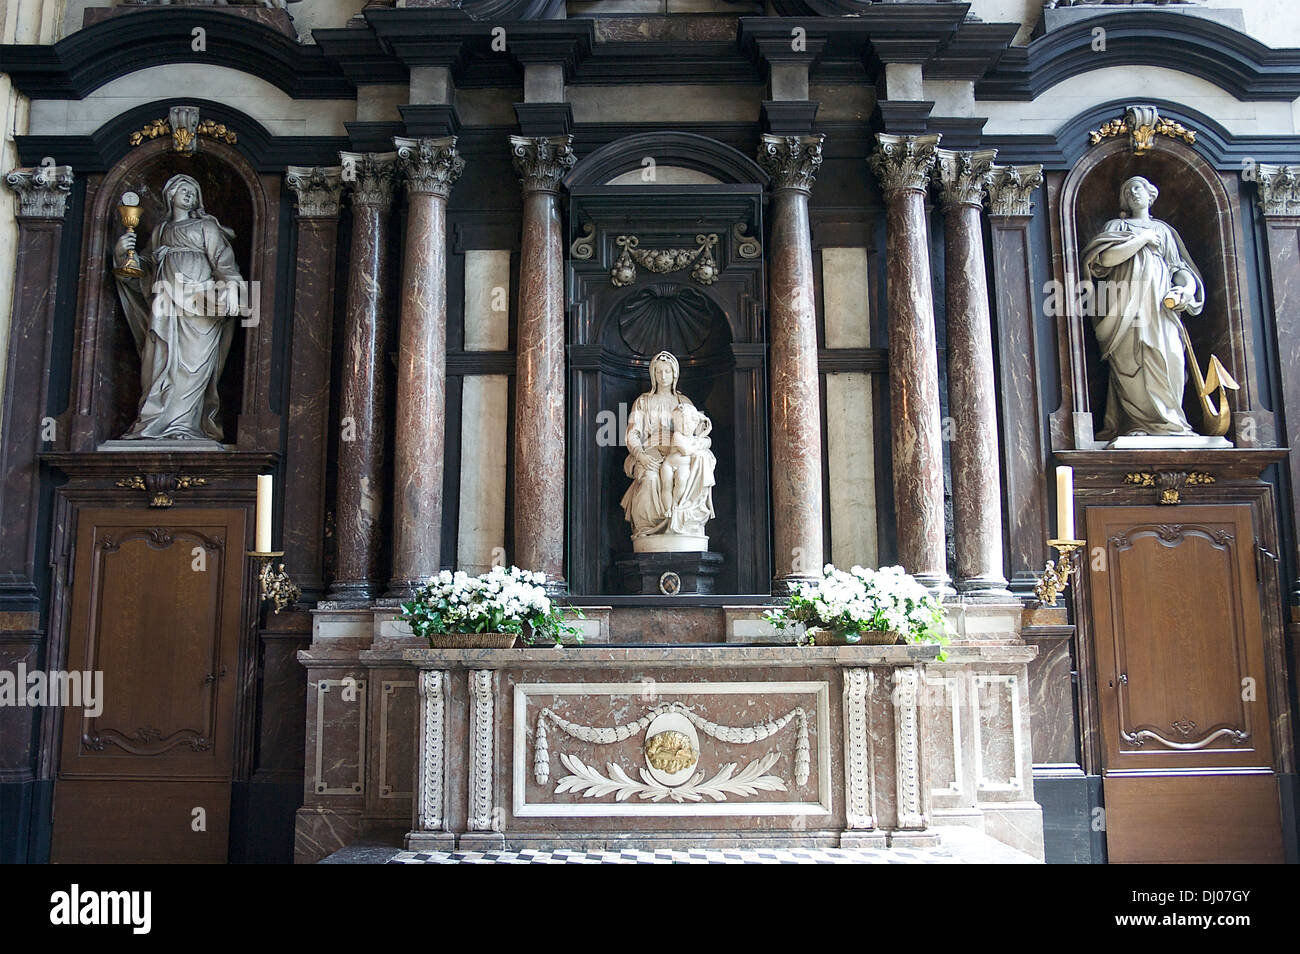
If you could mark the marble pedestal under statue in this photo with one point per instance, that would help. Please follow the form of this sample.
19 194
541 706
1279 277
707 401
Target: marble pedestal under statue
668 573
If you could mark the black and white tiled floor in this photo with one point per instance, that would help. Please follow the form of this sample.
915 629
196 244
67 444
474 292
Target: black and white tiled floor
627 856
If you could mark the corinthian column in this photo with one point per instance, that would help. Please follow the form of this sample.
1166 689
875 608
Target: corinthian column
43 193
541 162
430 168
363 395
903 165
792 162
976 478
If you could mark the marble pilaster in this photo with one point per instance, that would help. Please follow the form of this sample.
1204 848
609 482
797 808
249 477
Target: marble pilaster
363 392
792 162
317 191
1279 201
1010 198
43 193
903 165
976 478
430 168
539 464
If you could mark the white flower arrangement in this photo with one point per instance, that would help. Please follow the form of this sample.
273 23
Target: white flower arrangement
503 600
865 600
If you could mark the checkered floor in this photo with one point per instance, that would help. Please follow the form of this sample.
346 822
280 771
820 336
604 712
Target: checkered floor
825 856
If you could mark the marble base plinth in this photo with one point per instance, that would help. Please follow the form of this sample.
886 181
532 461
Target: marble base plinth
429 841
1167 442
670 543
647 573
156 446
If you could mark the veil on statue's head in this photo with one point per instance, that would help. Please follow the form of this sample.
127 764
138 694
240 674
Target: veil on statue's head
198 212
671 360
1123 191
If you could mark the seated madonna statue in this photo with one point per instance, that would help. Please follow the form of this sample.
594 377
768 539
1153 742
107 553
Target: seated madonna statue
670 461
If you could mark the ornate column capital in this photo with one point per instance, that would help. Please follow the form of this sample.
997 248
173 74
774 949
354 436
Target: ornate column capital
1279 189
542 161
791 161
317 190
963 175
42 190
904 163
372 176
429 166
1012 188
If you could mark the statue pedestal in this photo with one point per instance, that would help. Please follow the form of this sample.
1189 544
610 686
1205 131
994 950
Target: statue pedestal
1167 442
668 574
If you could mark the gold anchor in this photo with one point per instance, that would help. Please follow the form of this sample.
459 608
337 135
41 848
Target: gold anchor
1216 378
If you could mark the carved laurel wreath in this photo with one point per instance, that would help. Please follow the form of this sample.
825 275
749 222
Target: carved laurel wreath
749 780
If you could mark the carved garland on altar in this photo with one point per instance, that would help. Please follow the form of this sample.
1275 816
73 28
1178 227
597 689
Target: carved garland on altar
1143 124
748 781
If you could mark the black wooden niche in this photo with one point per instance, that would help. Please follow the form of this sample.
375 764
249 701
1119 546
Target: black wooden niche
716 330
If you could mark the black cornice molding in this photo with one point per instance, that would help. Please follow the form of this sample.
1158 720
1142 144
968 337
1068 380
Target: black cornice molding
1220 148
99 151
83 61
1243 66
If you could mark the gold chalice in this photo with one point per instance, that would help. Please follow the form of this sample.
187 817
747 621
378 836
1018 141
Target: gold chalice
129 214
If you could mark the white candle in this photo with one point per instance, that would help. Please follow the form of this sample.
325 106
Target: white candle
265 490
1065 503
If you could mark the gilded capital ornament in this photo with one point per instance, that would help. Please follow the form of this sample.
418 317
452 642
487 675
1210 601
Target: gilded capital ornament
317 189
372 177
964 175
904 163
542 161
430 166
1012 188
1279 188
42 190
791 161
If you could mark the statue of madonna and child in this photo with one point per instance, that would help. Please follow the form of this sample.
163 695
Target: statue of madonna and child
181 295
671 464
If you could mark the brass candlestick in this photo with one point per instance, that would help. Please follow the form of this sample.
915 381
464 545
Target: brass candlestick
275 583
129 214
1056 575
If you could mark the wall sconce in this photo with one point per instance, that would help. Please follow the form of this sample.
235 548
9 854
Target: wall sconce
1056 575
274 584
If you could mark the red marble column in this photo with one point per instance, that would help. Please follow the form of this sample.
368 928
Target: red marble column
792 162
541 162
903 165
42 203
430 168
363 393
976 477
317 190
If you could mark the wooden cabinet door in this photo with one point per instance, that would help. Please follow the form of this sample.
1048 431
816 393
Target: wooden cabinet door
156 608
1182 690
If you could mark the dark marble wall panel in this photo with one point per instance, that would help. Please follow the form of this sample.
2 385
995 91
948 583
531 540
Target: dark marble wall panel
1051 702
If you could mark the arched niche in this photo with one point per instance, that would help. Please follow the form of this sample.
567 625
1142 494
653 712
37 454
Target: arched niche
107 367
716 329
1195 200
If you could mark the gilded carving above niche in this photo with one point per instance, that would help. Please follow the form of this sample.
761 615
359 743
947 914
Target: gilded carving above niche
1143 124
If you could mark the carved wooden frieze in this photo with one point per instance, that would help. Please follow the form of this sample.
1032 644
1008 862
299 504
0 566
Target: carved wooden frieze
1169 484
161 487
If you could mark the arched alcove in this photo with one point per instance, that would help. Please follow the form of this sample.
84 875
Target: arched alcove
625 308
1195 201
107 366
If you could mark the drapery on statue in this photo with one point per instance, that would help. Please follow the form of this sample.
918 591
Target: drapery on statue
671 466
1147 282
180 311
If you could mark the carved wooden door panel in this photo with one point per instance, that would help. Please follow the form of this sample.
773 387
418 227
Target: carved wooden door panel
156 609
1182 691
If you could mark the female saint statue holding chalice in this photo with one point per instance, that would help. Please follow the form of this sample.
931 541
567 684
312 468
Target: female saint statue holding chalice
180 294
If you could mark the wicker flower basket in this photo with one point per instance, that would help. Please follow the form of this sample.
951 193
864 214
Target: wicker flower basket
474 641
838 637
